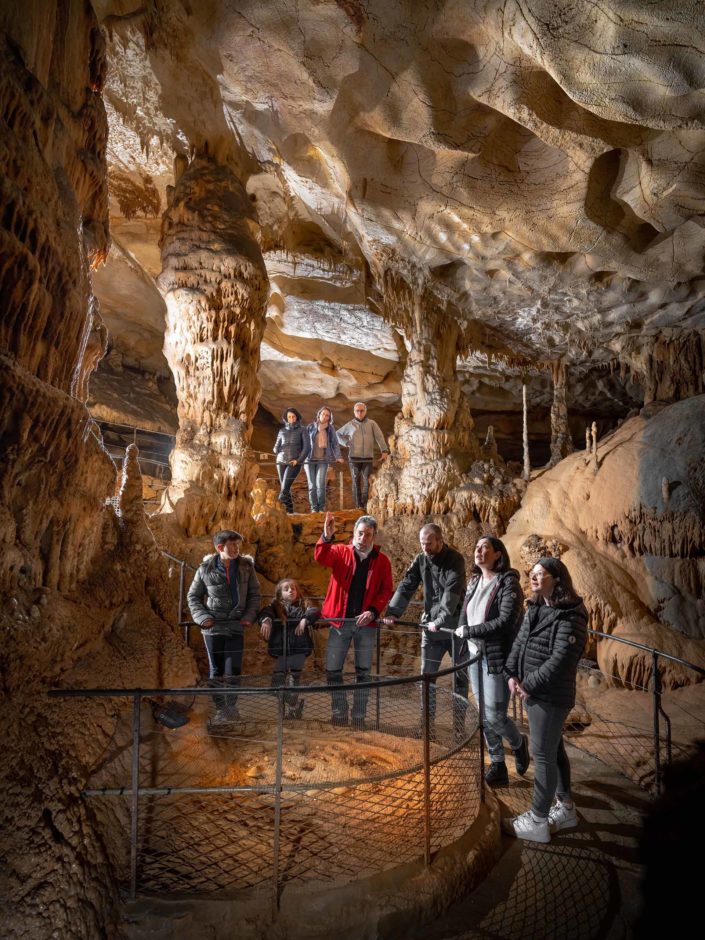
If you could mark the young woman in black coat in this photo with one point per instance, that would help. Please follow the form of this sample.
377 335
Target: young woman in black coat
542 668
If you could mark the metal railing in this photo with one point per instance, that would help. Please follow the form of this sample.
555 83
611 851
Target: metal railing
640 752
378 802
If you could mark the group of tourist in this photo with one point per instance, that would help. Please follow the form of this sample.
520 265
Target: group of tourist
316 446
533 655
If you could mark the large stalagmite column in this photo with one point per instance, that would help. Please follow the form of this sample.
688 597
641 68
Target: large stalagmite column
215 286
561 440
433 445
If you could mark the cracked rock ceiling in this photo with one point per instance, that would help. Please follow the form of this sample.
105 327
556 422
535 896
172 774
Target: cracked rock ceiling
542 164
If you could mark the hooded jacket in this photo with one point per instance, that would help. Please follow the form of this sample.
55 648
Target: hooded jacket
293 442
501 618
443 579
210 597
545 654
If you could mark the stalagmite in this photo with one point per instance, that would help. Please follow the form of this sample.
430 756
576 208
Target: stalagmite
433 445
525 432
561 441
215 286
595 462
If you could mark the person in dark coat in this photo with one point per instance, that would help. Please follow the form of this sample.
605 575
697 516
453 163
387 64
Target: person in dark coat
291 447
490 616
224 598
441 571
542 669
286 624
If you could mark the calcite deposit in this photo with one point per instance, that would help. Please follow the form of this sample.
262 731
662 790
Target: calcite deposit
631 532
432 206
215 286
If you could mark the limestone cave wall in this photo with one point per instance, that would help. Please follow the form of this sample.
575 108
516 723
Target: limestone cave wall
85 596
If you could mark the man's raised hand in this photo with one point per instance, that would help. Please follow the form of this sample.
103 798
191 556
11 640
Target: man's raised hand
329 525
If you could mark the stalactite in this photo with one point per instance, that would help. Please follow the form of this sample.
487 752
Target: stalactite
215 286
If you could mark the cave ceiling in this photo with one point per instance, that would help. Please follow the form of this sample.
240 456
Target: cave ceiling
539 167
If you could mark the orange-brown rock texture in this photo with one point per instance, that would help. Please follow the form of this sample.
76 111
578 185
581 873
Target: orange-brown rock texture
84 591
214 207
215 285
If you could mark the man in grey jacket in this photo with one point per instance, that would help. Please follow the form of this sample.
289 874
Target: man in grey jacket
224 598
441 571
360 436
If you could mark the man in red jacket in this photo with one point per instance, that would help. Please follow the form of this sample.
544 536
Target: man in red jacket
358 591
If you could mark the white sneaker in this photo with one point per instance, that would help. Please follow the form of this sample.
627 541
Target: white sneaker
561 816
526 827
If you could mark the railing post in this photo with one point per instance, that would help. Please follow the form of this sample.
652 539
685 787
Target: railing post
180 610
278 802
453 661
481 717
426 698
656 692
341 483
134 793
377 667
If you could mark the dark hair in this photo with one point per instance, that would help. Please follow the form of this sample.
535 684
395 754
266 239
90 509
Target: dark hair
227 535
365 520
293 411
563 591
502 564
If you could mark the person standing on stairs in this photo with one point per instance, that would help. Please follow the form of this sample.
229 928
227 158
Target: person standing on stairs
324 450
490 618
291 447
360 436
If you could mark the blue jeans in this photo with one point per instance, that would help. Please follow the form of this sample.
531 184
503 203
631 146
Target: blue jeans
360 472
551 764
287 475
498 724
434 646
316 474
224 662
339 640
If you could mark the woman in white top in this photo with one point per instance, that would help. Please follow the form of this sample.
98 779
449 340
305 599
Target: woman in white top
491 613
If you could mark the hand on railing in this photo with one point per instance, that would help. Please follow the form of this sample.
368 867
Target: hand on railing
266 628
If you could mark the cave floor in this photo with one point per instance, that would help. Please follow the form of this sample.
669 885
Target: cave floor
583 885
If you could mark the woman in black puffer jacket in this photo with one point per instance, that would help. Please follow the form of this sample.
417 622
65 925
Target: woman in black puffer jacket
491 613
542 668
291 447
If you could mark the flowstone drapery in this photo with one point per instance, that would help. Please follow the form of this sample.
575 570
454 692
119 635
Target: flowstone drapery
215 286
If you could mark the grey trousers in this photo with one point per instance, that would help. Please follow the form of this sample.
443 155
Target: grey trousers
551 764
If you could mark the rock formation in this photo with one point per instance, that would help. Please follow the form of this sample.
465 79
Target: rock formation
83 593
561 441
215 287
433 445
633 546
